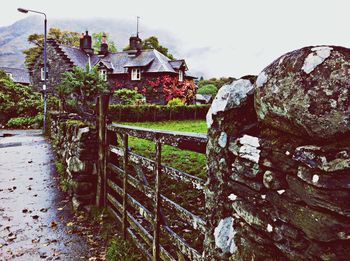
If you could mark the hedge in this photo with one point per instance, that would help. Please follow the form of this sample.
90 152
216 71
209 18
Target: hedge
140 113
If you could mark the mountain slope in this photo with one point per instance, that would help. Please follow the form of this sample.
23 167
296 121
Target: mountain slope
13 38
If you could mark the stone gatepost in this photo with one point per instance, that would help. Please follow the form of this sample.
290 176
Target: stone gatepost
279 161
76 146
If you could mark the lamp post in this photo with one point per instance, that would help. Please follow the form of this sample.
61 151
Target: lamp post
25 11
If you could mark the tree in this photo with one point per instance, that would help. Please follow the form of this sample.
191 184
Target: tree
218 82
128 97
153 42
16 99
62 37
209 89
79 88
97 40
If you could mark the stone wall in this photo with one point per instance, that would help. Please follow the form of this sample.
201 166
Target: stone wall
279 172
76 145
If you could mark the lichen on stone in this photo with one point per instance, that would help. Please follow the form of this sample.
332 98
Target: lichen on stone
229 96
318 55
224 234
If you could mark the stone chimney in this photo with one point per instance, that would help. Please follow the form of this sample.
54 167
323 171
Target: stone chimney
104 46
86 43
135 43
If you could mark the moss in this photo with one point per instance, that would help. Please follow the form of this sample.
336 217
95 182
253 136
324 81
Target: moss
119 249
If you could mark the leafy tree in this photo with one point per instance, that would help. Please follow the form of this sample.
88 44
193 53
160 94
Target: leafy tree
16 99
128 97
62 37
218 82
209 89
80 88
97 40
153 42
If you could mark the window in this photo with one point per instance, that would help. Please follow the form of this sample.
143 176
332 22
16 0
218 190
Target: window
9 75
135 74
42 73
103 74
181 76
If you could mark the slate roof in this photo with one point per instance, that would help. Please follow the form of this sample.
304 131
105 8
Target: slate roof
203 97
152 60
18 75
77 56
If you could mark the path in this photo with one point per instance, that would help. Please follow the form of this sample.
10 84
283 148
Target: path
33 212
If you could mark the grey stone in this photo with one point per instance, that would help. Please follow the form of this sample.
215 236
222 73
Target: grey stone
229 96
305 92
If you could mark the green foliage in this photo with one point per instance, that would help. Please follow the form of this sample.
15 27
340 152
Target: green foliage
149 112
209 89
127 97
24 122
153 43
60 168
16 99
85 84
62 37
97 40
218 82
175 102
65 183
119 249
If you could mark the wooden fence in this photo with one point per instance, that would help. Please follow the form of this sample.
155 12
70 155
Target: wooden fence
130 186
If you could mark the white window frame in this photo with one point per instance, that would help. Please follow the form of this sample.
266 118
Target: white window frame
136 74
103 74
9 75
42 73
181 76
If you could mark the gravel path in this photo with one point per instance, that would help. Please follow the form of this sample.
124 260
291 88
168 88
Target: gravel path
34 214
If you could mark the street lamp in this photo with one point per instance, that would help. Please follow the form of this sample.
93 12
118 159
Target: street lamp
25 11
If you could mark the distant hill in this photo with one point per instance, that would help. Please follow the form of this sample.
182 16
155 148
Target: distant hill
13 38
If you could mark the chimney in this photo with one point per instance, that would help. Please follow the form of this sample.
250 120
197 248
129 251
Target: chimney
135 43
86 43
104 46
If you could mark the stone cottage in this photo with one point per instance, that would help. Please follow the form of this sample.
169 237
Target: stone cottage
149 72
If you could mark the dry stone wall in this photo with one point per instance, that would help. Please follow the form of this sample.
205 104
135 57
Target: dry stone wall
76 146
279 162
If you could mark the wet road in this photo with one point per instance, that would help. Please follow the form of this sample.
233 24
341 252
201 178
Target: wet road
33 212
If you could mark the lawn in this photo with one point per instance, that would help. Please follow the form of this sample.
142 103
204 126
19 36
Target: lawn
190 162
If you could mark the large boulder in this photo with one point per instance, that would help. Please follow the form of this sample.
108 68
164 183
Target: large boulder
307 92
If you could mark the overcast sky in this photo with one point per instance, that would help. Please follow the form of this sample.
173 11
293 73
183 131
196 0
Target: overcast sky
220 37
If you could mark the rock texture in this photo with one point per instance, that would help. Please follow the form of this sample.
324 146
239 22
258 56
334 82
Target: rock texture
76 146
278 180
307 92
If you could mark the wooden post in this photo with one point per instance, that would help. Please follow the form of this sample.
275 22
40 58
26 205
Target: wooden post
125 186
157 214
102 106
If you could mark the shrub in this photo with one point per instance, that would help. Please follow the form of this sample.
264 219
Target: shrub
149 112
175 102
128 97
209 89
25 122
17 100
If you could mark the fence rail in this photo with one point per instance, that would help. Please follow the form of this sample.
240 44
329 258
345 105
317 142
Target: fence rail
137 201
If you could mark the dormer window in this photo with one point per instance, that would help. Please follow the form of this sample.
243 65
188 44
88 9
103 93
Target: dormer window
181 76
135 74
9 75
103 74
42 77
